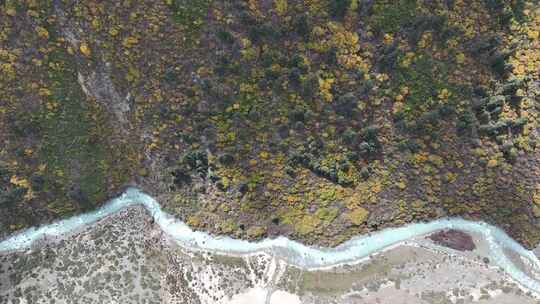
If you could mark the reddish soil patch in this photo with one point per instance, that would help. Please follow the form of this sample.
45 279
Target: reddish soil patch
454 239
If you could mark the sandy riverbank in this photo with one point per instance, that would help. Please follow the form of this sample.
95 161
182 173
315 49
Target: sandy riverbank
126 258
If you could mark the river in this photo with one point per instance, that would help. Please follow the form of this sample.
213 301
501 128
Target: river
293 252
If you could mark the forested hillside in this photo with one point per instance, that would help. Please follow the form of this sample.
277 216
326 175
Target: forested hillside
318 119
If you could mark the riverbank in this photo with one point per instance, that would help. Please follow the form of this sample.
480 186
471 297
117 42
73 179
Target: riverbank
498 244
126 257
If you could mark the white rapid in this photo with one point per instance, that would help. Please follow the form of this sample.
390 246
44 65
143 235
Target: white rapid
291 251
